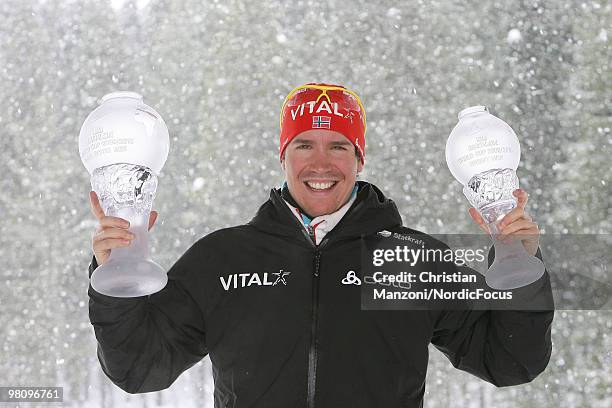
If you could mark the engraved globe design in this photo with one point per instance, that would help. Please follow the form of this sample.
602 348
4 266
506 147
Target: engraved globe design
490 192
124 185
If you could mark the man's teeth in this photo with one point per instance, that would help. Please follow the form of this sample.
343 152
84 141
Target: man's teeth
320 186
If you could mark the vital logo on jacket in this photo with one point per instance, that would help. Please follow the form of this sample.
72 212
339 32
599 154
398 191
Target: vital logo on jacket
243 280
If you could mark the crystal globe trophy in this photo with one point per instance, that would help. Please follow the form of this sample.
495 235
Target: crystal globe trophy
483 153
124 144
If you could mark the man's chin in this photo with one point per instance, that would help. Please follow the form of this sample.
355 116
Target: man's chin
320 202
318 209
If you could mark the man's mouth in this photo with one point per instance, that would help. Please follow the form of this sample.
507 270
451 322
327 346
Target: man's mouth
320 186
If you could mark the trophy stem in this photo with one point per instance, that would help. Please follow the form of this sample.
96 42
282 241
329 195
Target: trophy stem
139 223
129 272
513 267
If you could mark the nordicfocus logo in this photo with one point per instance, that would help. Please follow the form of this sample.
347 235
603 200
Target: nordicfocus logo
244 280
351 279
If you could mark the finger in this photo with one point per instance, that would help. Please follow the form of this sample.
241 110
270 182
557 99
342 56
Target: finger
96 208
105 221
516 214
476 216
111 243
522 197
152 219
521 227
478 219
113 233
113 222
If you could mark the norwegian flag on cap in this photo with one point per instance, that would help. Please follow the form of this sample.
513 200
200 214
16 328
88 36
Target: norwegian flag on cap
323 106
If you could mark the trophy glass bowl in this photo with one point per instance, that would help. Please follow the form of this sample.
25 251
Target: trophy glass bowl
124 144
483 153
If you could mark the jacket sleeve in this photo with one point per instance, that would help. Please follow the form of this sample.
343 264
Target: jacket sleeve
503 347
145 343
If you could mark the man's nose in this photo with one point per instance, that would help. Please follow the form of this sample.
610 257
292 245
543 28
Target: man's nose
321 159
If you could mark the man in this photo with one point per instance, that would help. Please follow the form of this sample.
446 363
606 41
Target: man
266 300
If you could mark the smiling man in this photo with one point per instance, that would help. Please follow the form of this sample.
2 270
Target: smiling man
276 303
320 167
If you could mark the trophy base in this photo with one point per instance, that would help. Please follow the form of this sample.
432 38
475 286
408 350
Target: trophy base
126 278
513 267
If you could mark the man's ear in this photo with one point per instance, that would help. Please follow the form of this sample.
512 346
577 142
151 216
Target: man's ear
359 166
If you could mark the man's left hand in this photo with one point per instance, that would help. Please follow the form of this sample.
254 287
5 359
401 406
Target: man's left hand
517 224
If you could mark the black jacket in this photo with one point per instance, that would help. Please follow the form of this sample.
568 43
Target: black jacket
281 330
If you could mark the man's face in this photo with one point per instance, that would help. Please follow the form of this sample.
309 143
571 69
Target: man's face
320 168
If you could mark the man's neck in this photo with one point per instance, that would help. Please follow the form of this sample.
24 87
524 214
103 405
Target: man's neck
318 226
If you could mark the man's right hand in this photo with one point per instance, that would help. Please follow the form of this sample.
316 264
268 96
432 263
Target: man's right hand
112 232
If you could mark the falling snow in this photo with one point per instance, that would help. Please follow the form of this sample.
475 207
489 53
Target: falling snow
218 72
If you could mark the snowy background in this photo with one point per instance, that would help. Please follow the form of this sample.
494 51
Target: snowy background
218 72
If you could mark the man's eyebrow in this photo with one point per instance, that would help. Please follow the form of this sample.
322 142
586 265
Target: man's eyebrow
335 143
302 141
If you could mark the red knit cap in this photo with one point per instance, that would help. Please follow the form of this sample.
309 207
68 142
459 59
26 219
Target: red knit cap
322 106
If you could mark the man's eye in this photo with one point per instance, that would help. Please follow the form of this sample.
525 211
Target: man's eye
340 147
303 146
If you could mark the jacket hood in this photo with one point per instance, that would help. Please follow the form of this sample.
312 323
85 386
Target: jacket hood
370 213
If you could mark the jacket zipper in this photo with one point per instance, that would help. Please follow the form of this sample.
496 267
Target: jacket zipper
312 353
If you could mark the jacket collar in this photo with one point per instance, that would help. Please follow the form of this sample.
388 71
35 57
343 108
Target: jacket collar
319 226
369 213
